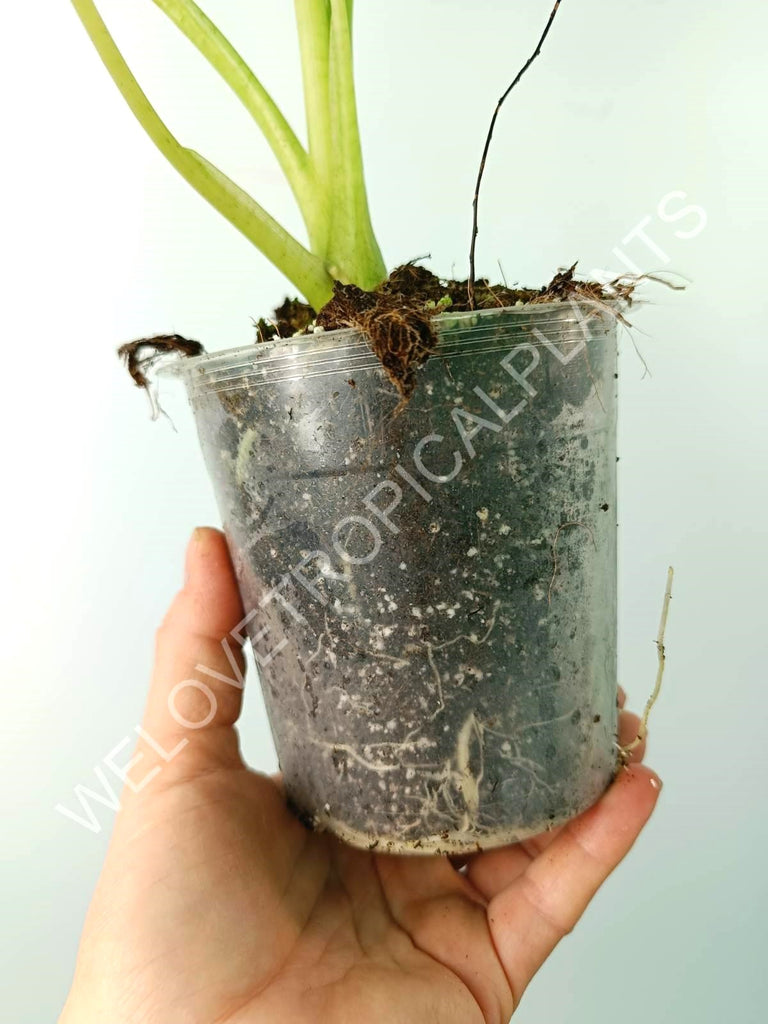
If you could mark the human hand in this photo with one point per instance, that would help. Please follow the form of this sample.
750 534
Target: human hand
216 906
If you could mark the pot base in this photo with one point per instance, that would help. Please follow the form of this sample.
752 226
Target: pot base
449 842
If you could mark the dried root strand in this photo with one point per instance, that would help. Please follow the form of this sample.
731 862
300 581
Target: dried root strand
141 355
486 147
625 752
398 328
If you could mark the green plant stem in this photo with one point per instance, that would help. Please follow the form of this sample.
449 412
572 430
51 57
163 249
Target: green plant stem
222 56
304 269
327 179
354 254
313 21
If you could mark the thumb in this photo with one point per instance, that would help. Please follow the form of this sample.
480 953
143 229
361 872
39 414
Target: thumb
195 695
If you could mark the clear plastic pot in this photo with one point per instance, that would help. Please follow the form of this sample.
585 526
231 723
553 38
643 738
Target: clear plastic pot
431 595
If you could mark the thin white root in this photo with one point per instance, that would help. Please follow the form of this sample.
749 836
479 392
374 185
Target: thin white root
555 560
626 751
469 784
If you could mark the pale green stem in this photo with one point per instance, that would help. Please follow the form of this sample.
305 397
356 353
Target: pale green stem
354 254
290 153
313 21
304 269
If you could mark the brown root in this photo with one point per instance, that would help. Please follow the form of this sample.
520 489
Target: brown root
141 355
398 327
397 316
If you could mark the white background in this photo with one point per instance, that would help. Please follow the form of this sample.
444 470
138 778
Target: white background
104 243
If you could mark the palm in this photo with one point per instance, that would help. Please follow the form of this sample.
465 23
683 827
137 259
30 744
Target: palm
282 924
217 905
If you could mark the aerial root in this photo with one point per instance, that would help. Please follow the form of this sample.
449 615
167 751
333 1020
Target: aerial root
625 752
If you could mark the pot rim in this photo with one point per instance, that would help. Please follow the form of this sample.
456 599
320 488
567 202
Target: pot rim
462 321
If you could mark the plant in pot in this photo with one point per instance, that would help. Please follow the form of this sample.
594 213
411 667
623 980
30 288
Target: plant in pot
417 480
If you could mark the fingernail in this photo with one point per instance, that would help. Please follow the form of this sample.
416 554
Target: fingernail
656 781
621 696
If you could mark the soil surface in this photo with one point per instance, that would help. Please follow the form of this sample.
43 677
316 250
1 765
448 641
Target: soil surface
396 317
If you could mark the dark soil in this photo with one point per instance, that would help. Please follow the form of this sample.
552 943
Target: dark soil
396 317
440 690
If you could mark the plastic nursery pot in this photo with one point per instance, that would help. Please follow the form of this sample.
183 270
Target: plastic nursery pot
430 596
